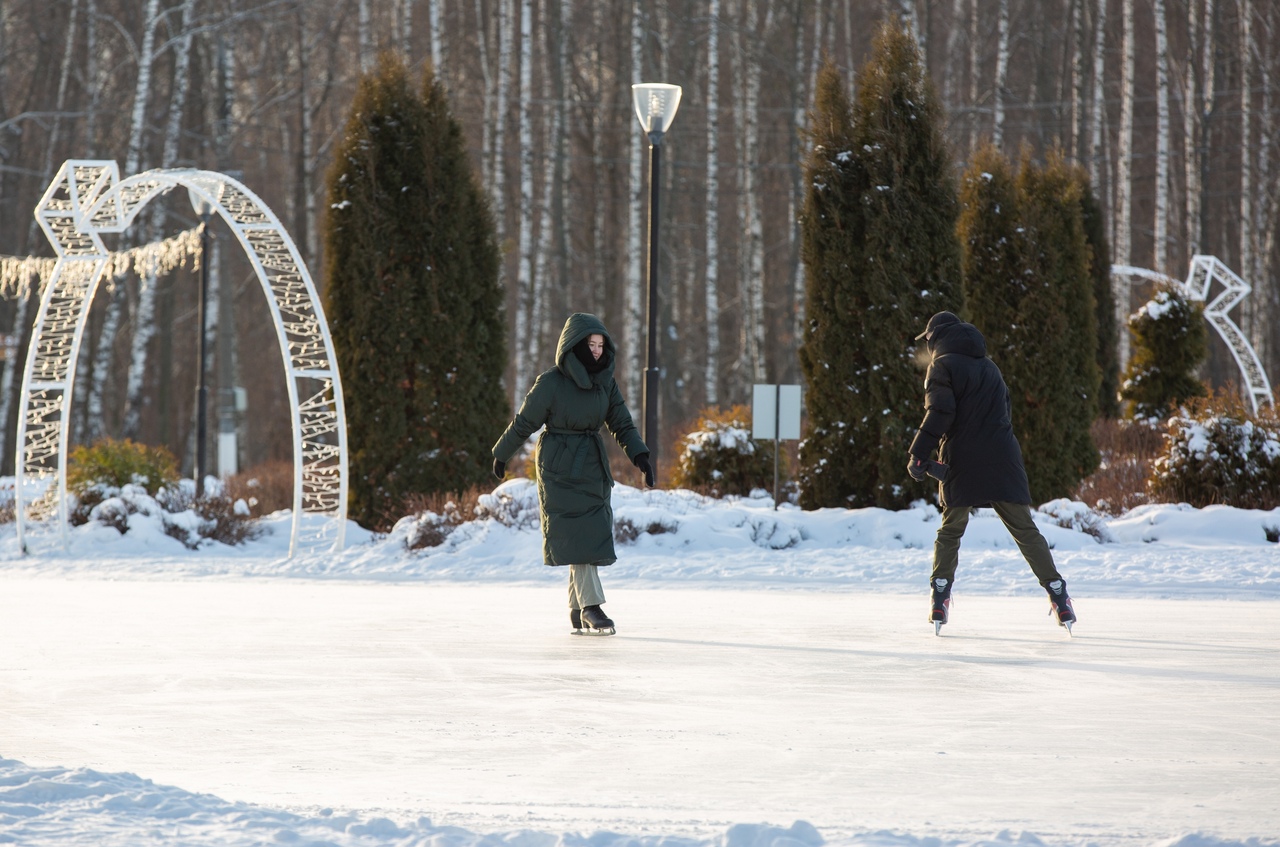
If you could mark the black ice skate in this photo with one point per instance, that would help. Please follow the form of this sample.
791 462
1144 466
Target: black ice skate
1060 604
941 597
596 622
575 620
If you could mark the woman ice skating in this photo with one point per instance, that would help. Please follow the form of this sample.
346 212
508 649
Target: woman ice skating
573 400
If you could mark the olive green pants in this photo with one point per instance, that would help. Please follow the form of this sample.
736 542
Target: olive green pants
584 586
1016 518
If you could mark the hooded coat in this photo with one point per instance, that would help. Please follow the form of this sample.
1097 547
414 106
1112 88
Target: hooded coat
967 419
574 480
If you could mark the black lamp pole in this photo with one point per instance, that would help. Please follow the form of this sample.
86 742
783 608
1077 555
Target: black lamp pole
202 390
651 369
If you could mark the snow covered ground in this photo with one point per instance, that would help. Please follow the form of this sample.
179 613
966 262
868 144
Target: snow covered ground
773 684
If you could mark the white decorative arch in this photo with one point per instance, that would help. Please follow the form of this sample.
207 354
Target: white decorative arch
88 198
1205 271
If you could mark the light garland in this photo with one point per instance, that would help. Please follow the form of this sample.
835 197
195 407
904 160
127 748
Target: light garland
159 257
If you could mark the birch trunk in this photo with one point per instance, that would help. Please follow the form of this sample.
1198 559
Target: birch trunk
753 328
1002 73
1124 182
1097 95
804 76
952 75
974 20
526 254
1191 83
487 157
1079 46
711 280
364 32
133 158
1161 234
499 178
1247 73
636 336
91 72
144 314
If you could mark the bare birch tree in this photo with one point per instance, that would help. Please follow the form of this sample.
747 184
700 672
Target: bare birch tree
1124 180
711 278
525 338
1161 252
636 336
1002 75
753 322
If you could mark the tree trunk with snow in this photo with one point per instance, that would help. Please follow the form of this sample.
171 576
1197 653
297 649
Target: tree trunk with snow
364 34
144 327
1247 74
636 336
1124 182
711 376
1160 255
526 258
1002 74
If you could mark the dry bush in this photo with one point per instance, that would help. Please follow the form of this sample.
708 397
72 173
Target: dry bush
266 488
438 514
1128 450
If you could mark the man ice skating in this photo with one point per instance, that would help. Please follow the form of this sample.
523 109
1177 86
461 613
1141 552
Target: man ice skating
967 419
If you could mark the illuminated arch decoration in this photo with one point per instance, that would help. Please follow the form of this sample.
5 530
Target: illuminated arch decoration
88 198
1205 271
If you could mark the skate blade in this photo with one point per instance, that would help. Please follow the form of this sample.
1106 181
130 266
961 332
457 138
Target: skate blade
937 628
1067 626
608 630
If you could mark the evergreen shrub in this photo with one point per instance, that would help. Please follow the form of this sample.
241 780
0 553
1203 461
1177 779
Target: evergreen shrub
1170 342
1217 451
719 457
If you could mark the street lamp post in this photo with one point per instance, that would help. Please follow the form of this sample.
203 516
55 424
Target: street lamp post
656 105
204 209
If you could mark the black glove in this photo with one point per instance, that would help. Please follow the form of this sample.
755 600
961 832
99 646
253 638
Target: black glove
646 467
500 469
918 468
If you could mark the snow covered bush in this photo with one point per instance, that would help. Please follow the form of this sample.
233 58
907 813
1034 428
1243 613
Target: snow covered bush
432 517
112 481
1219 452
1169 343
719 457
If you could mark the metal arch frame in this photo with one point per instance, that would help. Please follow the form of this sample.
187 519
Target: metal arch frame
86 198
1205 270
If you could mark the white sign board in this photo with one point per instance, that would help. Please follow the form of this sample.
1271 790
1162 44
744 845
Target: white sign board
775 412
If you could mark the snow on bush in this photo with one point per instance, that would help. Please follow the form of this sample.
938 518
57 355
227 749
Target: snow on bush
1218 452
719 457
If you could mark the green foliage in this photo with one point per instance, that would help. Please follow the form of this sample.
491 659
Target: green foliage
413 297
1055 384
1219 452
720 458
1169 343
1095 232
1029 289
115 464
880 258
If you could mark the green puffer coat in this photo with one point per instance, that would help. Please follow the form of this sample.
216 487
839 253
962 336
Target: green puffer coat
574 480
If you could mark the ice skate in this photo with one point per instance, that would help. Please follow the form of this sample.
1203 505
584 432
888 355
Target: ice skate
941 600
575 620
1060 604
596 622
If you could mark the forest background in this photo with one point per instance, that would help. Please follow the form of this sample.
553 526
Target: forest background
1168 104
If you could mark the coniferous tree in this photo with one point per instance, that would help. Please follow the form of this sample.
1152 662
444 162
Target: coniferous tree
833 455
993 254
1055 385
1095 232
412 296
881 258
911 259
1169 342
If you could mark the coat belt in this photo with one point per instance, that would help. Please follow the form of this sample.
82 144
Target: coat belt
580 452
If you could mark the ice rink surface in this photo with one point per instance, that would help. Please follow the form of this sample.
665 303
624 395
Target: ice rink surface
472 704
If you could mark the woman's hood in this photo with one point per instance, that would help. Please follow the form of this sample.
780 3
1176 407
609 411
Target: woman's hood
578 326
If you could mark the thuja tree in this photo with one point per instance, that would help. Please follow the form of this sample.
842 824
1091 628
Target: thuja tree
412 295
833 358
1169 343
993 254
899 265
1095 233
1055 385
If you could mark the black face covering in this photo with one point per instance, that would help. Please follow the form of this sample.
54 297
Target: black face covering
591 363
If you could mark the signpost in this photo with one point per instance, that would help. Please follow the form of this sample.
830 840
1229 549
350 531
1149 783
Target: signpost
775 413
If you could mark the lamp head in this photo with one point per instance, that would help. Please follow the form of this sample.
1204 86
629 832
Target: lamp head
202 205
656 104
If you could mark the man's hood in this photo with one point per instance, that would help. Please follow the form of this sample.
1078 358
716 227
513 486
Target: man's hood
578 326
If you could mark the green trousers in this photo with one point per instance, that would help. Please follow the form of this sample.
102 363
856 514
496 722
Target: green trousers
584 586
1017 519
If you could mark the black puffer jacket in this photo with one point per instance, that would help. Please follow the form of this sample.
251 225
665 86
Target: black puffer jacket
967 420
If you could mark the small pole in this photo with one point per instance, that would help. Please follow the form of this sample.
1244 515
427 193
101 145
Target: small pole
652 370
777 438
202 390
